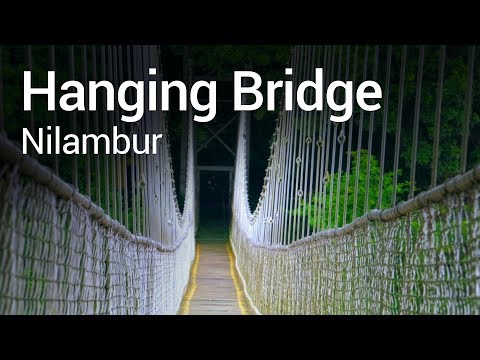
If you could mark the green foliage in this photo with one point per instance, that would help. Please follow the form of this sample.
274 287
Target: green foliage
319 211
452 109
452 118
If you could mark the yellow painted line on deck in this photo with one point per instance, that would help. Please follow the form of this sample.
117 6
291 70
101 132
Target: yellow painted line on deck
236 282
185 308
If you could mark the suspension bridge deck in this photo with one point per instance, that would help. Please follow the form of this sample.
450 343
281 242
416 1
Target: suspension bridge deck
215 287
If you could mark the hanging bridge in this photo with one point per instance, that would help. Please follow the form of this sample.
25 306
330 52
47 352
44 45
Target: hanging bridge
358 217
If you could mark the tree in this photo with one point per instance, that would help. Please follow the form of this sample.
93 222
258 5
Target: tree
321 201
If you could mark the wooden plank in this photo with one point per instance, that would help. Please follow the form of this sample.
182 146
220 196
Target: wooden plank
215 292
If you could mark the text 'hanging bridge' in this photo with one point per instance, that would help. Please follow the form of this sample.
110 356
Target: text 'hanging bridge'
375 215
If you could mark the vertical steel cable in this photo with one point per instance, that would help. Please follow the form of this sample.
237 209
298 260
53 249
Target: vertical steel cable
399 123
416 119
359 141
145 203
51 53
299 135
438 116
86 120
139 179
106 165
299 192
334 143
113 114
281 220
292 156
366 206
468 109
156 118
306 141
142 206
285 174
288 144
350 136
133 156
73 117
124 157
149 168
272 186
341 140
98 192
2 111
326 159
192 152
384 126
149 163
269 198
313 139
275 175
317 211
54 235
31 114
136 129
153 118
118 114
296 150
30 68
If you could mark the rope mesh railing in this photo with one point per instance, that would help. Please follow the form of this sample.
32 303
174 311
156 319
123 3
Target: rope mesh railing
351 219
124 249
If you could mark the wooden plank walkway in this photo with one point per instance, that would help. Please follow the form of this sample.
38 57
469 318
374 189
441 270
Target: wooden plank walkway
215 287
